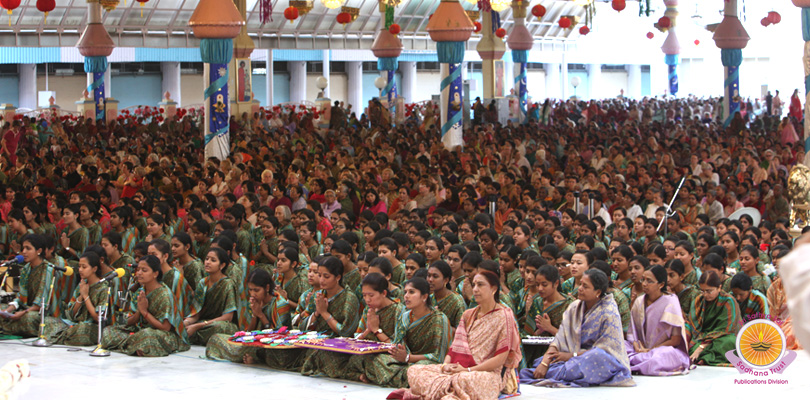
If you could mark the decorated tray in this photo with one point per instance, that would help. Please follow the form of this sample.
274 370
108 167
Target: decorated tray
273 339
538 340
346 345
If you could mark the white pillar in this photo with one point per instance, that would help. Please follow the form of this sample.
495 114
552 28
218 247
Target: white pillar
408 69
633 81
269 81
553 81
326 72
659 79
354 70
108 81
594 80
564 78
171 80
298 80
28 86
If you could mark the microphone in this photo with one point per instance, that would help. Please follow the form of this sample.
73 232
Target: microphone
67 271
118 273
19 259
134 287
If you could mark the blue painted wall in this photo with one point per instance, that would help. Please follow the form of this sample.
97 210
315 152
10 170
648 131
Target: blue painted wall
260 89
370 91
10 90
646 83
281 88
136 90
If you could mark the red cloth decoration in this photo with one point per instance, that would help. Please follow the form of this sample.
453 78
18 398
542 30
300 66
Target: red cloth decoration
477 26
774 17
765 21
539 11
584 30
619 5
650 35
265 11
500 32
291 13
344 18
565 22
664 22
394 29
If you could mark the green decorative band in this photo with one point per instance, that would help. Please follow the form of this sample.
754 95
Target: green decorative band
731 57
450 52
216 51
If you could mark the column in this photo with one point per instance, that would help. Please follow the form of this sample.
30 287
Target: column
633 81
805 6
671 47
564 78
269 81
553 81
108 82
731 37
28 86
298 81
354 70
658 79
171 80
492 48
595 80
408 69
327 68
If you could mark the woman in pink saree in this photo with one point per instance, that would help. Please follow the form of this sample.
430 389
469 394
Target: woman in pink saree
655 342
482 360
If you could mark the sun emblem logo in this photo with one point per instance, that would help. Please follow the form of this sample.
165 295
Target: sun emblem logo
761 343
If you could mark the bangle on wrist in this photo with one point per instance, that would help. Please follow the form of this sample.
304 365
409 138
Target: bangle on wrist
407 358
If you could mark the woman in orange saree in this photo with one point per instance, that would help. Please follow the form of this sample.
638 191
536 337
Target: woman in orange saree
482 360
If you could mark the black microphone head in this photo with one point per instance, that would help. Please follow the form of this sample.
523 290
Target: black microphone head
134 287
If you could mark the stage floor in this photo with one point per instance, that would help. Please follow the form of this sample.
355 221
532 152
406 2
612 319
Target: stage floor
63 373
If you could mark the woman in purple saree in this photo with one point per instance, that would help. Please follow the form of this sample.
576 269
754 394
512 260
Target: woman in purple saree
588 349
655 343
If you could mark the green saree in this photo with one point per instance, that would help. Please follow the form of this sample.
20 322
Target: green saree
78 328
452 306
555 313
714 324
216 299
193 271
277 311
35 284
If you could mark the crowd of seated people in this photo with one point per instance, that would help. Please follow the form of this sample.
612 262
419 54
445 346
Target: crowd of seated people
551 228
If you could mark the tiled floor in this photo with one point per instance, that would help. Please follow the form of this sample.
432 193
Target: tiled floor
61 373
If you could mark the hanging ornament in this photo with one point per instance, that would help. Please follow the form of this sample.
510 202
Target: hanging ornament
143 3
650 35
774 17
265 11
765 22
619 5
697 42
565 22
584 30
342 18
500 32
10 5
46 6
664 22
538 11
394 29
477 26
291 13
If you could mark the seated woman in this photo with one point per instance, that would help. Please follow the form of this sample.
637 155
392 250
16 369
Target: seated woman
546 312
749 258
268 311
655 343
750 300
184 260
80 325
675 285
336 314
378 324
777 301
589 347
35 280
622 302
289 283
173 278
154 326
482 360
440 276
422 336
713 322
306 303
216 296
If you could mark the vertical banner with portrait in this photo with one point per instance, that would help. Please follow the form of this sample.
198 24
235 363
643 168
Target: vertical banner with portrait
499 79
244 89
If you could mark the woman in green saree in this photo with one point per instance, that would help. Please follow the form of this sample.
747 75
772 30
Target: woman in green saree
35 280
378 323
447 301
79 327
422 336
184 261
268 311
216 296
545 314
74 238
306 303
173 278
154 328
290 284
713 322
336 313
88 217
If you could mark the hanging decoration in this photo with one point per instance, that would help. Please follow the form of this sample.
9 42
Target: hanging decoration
642 9
499 5
265 11
619 5
46 6
650 35
331 4
303 6
352 11
774 17
291 13
697 42
394 29
109 5
143 4
477 27
500 32
10 5
538 11
343 18
473 15
584 30
765 22
564 22
664 23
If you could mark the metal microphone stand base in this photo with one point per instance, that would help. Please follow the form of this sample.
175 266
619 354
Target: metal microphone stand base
100 352
41 342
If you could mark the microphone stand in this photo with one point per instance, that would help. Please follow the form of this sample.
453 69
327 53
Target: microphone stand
102 316
669 211
43 341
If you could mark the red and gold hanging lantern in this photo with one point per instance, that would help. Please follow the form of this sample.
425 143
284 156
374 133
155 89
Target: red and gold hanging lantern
46 6
650 35
765 21
10 5
143 3
664 22
342 18
584 30
619 5
774 17
565 22
477 27
291 13
394 29
500 32
538 11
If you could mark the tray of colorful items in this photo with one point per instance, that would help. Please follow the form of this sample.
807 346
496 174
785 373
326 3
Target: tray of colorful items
279 339
346 345
538 340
